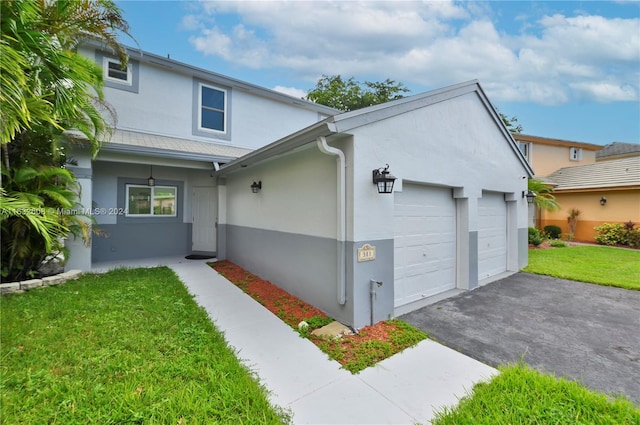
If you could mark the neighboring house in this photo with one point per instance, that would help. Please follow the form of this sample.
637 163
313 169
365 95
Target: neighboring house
607 191
457 217
548 155
579 182
178 124
299 206
617 150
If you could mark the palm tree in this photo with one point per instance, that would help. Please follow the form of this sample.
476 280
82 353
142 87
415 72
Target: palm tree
47 87
544 199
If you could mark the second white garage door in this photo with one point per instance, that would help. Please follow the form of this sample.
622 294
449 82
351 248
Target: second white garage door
492 235
425 242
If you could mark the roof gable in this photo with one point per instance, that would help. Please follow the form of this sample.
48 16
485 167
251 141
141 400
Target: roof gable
347 121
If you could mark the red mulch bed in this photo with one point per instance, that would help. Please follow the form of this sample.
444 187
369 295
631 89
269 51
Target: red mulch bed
293 310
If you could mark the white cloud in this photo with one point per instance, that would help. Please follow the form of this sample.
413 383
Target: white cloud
291 91
553 60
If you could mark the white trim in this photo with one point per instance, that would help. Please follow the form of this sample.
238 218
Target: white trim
575 154
224 111
151 201
105 68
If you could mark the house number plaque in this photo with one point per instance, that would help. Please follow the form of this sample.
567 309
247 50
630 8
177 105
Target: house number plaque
366 253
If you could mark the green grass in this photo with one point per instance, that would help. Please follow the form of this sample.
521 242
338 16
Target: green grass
356 355
594 264
521 395
129 346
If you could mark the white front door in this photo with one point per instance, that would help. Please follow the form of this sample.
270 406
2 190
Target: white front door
203 206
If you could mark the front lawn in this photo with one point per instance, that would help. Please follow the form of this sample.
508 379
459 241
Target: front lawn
521 395
594 264
128 346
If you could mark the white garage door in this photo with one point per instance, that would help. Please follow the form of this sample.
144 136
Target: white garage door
492 235
425 242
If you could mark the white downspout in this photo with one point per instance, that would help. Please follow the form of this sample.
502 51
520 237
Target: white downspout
341 216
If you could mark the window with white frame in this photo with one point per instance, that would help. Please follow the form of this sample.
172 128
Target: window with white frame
525 148
575 154
151 201
114 72
212 107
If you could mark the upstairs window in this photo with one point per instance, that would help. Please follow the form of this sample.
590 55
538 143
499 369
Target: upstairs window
114 72
575 154
146 201
525 148
212 109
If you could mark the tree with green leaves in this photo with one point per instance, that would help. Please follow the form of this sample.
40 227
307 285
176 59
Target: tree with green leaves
349 95
510 122
47 87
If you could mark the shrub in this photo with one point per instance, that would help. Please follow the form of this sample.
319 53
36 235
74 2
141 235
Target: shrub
535 238
609 234
618 234
558 244
633 238
553 231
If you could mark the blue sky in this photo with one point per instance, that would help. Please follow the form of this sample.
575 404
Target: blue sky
566 69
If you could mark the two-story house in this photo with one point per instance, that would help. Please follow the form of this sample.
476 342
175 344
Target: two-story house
151 188
310 202
601 182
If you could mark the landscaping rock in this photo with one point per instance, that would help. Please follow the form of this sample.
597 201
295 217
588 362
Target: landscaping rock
52 280
25 285
333 330
71 274
9 288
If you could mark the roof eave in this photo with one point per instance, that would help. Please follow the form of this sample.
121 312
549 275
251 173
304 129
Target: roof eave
178 66
163 153
293 141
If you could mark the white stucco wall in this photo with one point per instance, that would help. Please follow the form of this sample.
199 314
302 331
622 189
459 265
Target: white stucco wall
452 143
164 105
309 177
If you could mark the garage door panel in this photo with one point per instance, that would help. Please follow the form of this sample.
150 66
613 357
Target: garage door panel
424 247
492 235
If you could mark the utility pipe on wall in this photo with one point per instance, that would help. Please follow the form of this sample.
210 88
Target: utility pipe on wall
341 216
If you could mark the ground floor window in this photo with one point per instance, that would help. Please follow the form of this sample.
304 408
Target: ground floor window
151 201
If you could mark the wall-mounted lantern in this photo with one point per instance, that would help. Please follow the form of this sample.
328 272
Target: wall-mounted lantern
530 195
383 179
603 201
151 181
255 187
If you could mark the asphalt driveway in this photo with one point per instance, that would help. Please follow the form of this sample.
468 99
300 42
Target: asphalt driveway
584 332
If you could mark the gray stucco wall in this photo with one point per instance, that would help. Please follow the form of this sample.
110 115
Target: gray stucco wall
523 248
141 240
305 266
473 259
360 275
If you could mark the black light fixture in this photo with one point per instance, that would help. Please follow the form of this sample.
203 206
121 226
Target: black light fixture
151 181
603 201
255 187
384 179
531 196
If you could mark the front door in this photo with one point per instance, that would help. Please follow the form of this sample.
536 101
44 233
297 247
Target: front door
204 219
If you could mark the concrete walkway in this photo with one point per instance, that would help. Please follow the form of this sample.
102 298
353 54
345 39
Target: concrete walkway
404 389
